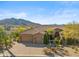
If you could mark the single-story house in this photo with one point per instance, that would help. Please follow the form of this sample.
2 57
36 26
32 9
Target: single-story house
34 35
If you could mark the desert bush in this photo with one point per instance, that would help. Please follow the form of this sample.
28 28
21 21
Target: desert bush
5 39
57 42
71 33
53 49
48 52
15 33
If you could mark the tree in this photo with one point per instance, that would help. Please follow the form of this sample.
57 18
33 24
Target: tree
58 37
8 40
15 34
46 38
4 38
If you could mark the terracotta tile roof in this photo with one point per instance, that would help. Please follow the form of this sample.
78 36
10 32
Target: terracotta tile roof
40 29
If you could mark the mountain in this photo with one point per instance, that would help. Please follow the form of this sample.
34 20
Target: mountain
14 21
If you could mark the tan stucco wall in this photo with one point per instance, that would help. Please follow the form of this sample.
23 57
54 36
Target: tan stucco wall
38 38
35 38
26 37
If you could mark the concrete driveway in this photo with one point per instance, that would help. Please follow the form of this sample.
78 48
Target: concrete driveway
20 49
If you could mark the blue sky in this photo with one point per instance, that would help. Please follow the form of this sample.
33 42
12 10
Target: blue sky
50 12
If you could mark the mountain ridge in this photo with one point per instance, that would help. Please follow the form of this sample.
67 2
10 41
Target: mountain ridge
15 21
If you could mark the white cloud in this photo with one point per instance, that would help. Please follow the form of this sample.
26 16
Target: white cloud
20 15
9 14
66 16
59 16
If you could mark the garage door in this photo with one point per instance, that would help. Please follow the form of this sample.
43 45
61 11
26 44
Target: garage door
26 38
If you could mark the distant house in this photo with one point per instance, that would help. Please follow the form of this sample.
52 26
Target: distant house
34 35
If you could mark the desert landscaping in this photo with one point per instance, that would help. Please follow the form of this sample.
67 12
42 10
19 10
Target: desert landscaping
39 29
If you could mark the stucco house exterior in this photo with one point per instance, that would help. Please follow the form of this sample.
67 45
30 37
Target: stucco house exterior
34 35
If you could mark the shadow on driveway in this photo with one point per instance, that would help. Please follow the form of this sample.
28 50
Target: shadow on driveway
33 45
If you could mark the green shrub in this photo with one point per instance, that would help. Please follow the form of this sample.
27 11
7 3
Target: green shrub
57 41
46 38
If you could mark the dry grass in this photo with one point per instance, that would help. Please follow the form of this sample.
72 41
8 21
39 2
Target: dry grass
65 52
48 52
53 49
